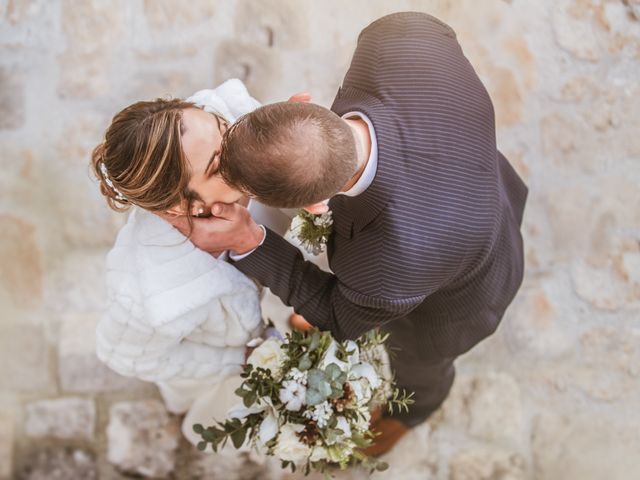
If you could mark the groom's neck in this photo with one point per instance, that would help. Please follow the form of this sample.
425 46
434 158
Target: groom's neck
362 138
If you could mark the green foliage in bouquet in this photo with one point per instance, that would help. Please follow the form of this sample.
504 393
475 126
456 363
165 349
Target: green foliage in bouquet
312 230
308 401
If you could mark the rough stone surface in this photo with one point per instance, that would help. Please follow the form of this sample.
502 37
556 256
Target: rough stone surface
486 464
487 406
79 369
612 447
20 261
12 114
71 418
92 30
553 394
24 355
6 445
142 438
538 328
60 464
228 464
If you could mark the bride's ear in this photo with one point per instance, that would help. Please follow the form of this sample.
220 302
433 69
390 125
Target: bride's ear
317 208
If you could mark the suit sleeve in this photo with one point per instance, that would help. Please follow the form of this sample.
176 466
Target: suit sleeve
319 296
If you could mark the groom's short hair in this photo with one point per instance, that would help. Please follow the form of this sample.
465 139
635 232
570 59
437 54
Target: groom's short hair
289 154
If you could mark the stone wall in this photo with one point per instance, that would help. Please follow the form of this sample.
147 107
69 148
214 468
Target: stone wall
555 394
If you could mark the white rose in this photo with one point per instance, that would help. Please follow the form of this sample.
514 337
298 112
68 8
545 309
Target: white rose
343 424
365 370
268 427
361 390
268 355
354 352
319 453
329 357
289 447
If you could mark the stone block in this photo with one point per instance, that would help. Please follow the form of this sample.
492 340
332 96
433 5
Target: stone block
59 463
21 271
92 29
79 369
486 463
6 445
163 14
142 438
586 445
75 283
573 29
12 99
258 67
540 320
488 407
227 463
64 418
495 409
24 358
273 23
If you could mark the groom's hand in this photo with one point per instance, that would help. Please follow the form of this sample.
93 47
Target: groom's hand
230 228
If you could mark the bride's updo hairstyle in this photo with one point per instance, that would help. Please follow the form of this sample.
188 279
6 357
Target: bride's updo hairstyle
141 162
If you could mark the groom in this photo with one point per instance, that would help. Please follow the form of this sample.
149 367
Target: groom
426 242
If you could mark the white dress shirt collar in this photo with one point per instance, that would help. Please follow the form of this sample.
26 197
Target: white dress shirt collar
366 179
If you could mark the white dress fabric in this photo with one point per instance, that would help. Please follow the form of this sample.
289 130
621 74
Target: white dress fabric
175 315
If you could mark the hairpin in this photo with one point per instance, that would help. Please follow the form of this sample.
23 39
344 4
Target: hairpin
107 180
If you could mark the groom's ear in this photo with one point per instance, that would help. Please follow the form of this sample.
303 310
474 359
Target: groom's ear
317 208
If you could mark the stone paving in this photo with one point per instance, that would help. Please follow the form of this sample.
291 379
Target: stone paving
553 395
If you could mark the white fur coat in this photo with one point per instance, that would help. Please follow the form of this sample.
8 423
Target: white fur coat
174 312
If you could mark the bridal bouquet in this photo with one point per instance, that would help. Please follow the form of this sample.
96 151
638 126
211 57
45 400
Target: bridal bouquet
307 400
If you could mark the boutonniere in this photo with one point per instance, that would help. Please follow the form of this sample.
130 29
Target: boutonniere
312 230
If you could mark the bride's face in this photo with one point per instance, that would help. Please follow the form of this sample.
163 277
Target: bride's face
201 140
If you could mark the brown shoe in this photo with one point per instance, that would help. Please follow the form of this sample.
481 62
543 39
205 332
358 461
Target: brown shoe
390 432
297 322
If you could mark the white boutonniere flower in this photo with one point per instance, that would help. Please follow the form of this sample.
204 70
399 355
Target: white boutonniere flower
312 230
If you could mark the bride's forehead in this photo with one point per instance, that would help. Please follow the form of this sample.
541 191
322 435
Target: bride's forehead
198 123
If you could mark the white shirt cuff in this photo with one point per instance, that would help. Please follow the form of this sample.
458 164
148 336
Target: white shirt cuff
237 258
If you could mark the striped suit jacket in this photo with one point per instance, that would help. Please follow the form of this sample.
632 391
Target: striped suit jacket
434 243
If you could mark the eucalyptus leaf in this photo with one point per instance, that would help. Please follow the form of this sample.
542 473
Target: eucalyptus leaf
324 388
332 371
336 393
315 341
238 437
314 397
305 362
315 377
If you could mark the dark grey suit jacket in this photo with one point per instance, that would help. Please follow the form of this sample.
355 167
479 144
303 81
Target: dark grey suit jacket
434 242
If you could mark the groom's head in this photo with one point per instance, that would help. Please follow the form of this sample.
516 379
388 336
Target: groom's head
289 154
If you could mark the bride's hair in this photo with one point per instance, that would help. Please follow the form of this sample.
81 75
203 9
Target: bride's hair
141 162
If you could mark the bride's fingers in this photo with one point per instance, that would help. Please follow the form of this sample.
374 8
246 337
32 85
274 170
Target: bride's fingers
300 97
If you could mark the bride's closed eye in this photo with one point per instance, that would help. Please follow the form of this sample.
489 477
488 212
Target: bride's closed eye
212 166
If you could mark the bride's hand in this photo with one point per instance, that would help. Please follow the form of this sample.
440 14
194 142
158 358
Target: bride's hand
300 97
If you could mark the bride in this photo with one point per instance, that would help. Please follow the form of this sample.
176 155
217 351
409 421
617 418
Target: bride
176 316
